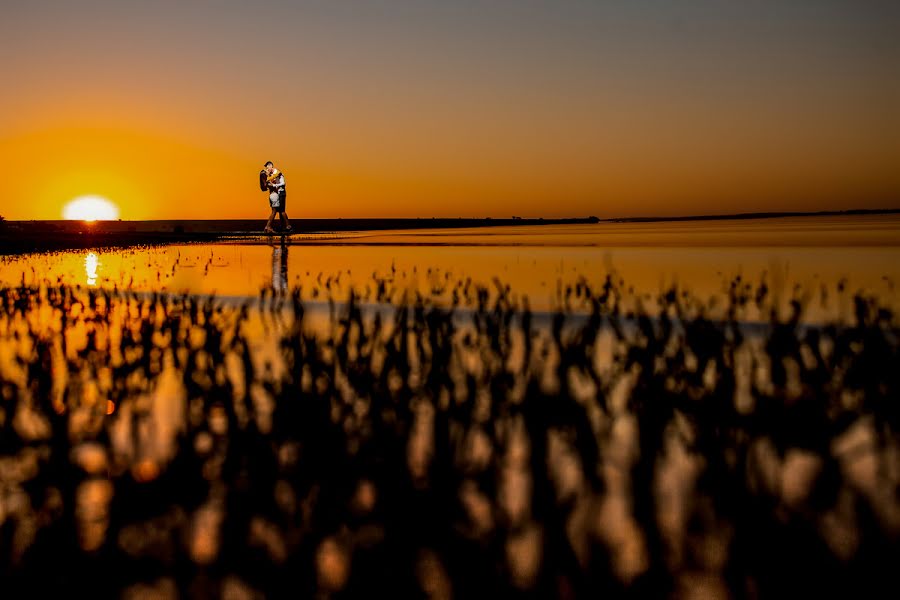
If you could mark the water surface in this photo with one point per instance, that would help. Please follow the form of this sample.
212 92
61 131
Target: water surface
792 255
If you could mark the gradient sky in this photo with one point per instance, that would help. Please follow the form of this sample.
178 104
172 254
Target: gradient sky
436 108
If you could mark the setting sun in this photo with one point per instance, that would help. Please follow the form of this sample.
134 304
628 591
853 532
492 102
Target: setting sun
90 208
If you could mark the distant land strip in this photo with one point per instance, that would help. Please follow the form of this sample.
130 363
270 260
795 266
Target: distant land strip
757 215
20 237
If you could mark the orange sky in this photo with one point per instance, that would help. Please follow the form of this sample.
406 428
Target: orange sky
415 109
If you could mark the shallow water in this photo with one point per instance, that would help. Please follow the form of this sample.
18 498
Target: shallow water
536 262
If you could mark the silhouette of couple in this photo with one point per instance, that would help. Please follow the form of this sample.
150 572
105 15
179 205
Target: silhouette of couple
272 180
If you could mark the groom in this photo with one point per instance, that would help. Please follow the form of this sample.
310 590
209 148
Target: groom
273 181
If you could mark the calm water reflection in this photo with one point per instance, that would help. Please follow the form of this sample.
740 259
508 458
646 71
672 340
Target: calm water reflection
280 267
540 263
91 264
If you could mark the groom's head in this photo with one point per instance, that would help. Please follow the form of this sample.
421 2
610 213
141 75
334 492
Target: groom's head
269 167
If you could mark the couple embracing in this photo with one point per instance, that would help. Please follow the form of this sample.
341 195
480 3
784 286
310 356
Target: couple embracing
272 180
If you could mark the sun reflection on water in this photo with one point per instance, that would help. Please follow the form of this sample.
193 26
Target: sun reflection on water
91 265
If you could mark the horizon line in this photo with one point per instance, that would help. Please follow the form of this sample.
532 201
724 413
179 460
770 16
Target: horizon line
591 218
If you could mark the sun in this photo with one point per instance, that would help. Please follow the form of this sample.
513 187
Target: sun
90 208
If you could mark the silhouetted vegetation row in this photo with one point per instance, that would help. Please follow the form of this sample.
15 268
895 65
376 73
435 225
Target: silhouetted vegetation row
175 446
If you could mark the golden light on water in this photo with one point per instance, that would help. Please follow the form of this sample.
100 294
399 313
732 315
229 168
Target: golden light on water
91 263
90 208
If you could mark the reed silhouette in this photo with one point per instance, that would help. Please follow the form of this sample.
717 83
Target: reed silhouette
149 444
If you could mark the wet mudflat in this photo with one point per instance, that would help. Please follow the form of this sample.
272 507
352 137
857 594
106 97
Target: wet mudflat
572 424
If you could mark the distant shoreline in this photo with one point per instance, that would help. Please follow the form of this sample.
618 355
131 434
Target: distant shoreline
21 237
759 215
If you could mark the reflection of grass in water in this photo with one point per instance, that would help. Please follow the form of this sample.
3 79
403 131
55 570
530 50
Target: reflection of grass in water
409 451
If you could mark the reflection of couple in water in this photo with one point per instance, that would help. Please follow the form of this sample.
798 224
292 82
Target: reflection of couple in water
272 180
280 267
